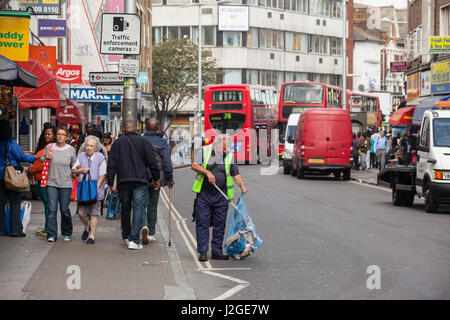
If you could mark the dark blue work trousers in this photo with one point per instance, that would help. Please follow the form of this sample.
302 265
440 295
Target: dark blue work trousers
210 205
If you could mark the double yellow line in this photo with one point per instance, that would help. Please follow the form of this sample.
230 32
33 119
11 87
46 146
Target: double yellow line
184 231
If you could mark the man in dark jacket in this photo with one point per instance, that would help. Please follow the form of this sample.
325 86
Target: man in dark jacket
133 160
162 154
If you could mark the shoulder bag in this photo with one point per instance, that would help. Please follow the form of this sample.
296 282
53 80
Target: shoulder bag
15 177
87 190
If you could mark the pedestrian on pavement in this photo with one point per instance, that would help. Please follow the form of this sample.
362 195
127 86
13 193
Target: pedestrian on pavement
406 144
162 155
107 140
76 133
93 162
35 170
11 150
355 152
133 160
219 167
364 147
390 152
373 156
90 131
59 185
381 148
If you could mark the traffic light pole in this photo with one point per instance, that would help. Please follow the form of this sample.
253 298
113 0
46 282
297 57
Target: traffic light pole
129 100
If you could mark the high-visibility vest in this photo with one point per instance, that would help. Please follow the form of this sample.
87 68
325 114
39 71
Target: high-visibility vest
198 182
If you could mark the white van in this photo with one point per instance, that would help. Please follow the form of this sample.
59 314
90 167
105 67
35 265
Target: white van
289 141
433 163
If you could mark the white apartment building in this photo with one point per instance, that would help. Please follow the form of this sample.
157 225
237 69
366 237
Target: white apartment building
288 40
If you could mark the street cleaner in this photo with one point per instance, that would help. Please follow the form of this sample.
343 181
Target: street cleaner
219 167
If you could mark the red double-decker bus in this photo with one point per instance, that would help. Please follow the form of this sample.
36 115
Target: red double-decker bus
242 110
296 97
365 111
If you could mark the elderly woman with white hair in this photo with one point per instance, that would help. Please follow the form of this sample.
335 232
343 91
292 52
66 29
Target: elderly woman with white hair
93 162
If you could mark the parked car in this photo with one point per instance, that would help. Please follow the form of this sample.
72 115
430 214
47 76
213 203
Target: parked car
323 143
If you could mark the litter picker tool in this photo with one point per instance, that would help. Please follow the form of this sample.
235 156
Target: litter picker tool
170 216
215 185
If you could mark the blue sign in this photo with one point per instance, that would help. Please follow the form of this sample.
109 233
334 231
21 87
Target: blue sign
143 78
90 95
99 109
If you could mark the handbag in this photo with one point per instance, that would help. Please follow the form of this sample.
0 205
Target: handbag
45 169
87 190
15 177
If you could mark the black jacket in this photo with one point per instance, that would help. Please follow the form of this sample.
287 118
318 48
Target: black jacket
128 165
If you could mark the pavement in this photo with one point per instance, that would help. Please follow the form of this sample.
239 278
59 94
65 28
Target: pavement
366 176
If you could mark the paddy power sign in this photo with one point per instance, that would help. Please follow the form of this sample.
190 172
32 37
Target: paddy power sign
14 35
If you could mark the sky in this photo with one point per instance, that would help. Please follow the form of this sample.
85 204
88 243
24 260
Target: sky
376 3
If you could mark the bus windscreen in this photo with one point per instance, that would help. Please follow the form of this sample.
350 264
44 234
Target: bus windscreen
302 93
221 122
287 110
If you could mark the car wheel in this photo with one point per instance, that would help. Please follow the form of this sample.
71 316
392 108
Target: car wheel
430 203
337 175
408 198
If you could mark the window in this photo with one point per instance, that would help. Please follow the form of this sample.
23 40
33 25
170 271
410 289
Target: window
444 21
226 96
271 78
156 1
231 39
425 134
185 32
336 46
157 36
172 33
296 41
319 7
232 76
252 38
303 93
441 132
333 96
318 44
336 8
209 35
252 77
271 39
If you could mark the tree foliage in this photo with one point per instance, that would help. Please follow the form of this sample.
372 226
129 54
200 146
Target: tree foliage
175 69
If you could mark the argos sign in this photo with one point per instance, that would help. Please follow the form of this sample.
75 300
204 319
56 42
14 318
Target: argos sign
68 74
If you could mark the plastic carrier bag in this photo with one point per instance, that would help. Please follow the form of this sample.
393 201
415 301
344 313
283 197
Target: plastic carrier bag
241 237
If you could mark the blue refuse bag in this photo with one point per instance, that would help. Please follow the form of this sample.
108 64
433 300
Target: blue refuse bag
113 206
25 212
241 237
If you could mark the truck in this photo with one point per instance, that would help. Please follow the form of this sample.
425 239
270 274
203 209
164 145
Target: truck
430 178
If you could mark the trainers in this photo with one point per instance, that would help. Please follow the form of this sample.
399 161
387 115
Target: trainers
67 238
126 241
51 239
219 256
144 234
203 257
151 238
134 246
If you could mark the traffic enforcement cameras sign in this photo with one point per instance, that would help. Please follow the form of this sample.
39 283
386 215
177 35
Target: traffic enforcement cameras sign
121 34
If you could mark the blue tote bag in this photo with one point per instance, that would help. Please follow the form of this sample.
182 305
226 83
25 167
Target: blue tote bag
87 190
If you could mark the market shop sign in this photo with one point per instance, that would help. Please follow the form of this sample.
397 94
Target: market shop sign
14 36
44 55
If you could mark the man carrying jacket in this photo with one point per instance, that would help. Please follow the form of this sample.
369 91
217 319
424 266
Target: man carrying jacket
162 154
214 166
133 160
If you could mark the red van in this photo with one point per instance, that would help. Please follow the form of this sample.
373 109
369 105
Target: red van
323 143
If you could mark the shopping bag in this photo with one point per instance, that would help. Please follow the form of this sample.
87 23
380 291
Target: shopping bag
241 237
73 193
87 190
113 206
25 216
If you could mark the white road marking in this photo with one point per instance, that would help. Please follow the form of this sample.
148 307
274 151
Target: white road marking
370 186
241 283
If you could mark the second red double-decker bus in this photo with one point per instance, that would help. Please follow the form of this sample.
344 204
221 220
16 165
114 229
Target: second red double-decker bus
296 97
249 112
364 111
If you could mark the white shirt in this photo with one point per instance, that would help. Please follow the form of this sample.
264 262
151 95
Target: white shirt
102 170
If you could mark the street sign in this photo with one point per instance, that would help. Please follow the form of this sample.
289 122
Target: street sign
121 34
110 89
90 95
129 68
399 66
105 78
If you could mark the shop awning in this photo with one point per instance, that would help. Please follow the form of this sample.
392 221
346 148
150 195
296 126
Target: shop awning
47 95
425 104
71 113
12 75
402 116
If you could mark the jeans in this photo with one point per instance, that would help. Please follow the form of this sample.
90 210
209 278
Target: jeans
13 197
151 215
61 195
43 194
136 194
363 160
